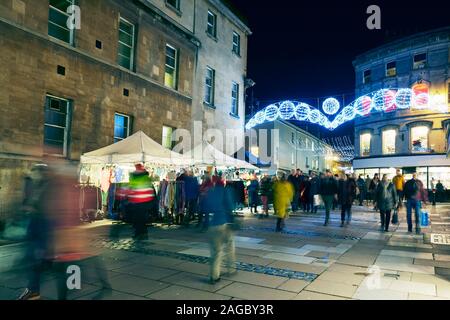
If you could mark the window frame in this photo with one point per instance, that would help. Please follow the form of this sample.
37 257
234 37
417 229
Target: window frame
172 144
411 138
212 86
383 144
174 68
394 68
71 31
369 76
176 7
67 127
236 48
128 126
235 100
133 46
213 26
361 149
421 63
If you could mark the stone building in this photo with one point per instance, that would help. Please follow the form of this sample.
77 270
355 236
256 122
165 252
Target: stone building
127 68
412 139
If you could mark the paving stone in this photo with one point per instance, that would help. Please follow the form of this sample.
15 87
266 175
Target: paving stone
442 257
49 290
196 281
415 296
408 254
434 263
289 258
357 259
321 254
379 294
197 268
333 288
148 272
294 285
114 295
136 285
341 277
252 292
162 262
300 267
184 293
253 260
256 279
8 294
413 287
309 295
443 291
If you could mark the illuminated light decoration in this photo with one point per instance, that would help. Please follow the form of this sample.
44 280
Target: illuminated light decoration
260 117
384 100
404 98
286 110
349 113
314 116
363 105
301 111
272 112
331 106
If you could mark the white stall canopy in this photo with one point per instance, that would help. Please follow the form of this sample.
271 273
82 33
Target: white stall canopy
136 148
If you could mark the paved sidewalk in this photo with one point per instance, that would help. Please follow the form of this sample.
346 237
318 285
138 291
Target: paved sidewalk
307 261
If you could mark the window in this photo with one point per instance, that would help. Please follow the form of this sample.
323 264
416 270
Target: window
126 44
121 127
448 92
57 20
56 125
212 24
389 141
174 3
209 86
365 144
236 43
419 61
167 137
367 76
235 98
312 145
419 139
292 137
391 69
170 78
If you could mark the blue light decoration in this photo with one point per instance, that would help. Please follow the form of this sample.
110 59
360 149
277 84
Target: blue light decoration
383 100
330 106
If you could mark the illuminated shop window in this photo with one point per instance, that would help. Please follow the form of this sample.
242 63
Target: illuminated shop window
419 139
391 69
170 78
389 141
365 144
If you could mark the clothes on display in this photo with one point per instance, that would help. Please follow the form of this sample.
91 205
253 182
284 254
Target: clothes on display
239 191
172 197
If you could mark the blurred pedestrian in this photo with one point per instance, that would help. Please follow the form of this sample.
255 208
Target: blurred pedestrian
140 196
283 193
304 193
204 209
265 191
222 236
294 179
314 191
372 189
368 195
362 190
399 183
346 196
192 191
328 192
415 194
387 200
440 191
252 191
433 191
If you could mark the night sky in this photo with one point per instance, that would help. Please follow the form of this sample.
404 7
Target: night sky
303 50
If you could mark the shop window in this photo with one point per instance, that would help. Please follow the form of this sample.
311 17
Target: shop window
56 125
391 69
57 20
212 24
170 78
210 86
126 44
419 139
367 74
389 137
420 61
365 144
167 136
121 127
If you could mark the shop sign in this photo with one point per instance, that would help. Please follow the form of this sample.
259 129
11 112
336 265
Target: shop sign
438 238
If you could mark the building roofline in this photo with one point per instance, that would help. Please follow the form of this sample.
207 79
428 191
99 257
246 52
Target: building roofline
225 9
366 55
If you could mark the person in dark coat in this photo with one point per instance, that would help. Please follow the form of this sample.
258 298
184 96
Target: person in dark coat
252 190
346 196
387 200
265 192
362 189
192 191
204 209
328 192
313 190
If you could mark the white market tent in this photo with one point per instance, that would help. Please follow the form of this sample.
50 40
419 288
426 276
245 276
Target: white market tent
205 154
136 148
